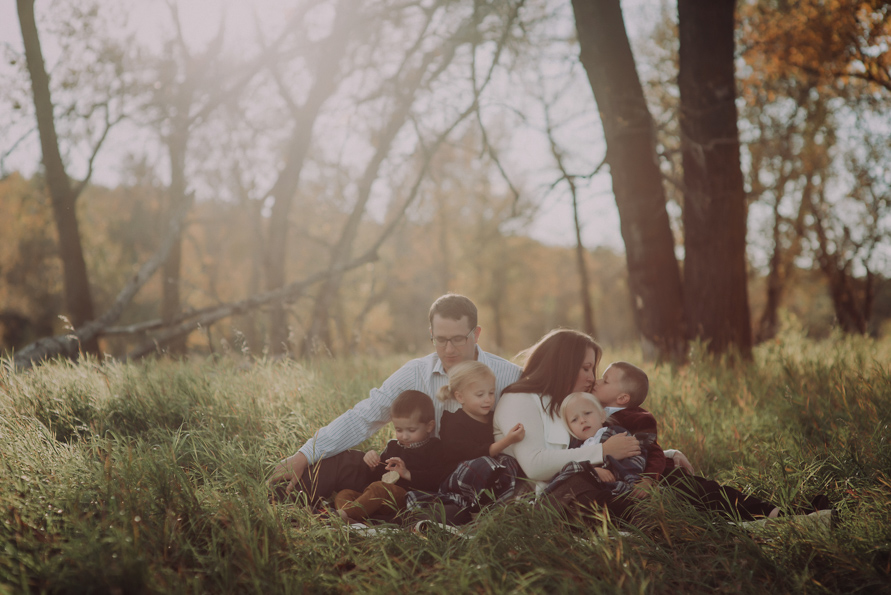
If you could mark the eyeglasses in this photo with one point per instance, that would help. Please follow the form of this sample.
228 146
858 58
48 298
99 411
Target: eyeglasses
458 341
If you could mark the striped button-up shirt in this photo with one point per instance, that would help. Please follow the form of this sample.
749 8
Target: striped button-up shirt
424 374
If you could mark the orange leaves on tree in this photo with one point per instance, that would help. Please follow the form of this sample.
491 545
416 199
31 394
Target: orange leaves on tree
827 42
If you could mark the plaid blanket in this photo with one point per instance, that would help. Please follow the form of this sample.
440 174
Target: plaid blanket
473 484
569 470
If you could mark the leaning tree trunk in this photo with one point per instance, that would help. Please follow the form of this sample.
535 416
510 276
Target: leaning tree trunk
653 273
78 299
714 198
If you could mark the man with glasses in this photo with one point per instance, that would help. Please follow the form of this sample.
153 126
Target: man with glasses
454 333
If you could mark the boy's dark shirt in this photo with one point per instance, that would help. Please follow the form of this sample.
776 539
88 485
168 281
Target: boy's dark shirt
465 438
428 464
638 419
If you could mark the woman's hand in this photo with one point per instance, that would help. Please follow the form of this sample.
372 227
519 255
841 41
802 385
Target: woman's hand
372 459
398 465
605 474
516 434
621 446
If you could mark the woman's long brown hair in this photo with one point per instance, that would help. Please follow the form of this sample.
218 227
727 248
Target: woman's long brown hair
553 364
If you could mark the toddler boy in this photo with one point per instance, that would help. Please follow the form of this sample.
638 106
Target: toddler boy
621 391
588 423
416 460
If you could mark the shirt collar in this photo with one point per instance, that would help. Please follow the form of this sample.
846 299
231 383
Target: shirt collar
596 438
416 444
610 410
437 363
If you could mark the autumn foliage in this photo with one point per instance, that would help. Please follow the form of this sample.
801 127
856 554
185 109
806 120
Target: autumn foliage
833 42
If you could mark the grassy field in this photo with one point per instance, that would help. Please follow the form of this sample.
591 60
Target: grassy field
150 477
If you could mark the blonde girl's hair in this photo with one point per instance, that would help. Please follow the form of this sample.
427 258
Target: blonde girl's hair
564 408
461 375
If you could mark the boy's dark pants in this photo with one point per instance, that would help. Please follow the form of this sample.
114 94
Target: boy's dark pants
344 471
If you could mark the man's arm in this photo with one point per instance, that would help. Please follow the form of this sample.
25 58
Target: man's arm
351 428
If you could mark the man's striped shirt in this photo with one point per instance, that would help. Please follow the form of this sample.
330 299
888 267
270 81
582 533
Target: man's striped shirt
367 417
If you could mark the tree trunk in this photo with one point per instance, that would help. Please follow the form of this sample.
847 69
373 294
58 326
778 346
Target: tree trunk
177 145
582 267
653 273
714 198
852 304
252 335
78 299
319 336
444 270
326 80
768 324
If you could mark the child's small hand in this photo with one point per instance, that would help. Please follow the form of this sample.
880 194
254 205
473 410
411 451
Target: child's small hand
605 474
372 459
398 465
516 434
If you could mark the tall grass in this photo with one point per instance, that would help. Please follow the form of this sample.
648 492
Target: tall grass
150 477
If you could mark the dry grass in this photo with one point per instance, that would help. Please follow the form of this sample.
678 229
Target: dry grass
150 478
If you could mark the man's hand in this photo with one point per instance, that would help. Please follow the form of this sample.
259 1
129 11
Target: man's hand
398 465
605 474
289 470
372 459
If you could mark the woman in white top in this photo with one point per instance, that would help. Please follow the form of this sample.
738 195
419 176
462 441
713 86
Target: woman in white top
563 362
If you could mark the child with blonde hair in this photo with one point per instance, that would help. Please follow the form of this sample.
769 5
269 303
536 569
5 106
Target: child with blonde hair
467 433
483 474
587 422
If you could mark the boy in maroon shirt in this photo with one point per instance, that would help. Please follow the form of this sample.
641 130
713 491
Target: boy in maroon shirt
621 391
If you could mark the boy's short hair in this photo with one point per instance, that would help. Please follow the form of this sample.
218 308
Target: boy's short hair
410 402
634 382
454 307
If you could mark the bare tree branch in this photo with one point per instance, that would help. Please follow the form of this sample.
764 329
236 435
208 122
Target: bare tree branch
108 126
487 146
581 264
12 148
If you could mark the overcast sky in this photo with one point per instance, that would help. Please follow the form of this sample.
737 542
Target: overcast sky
528 157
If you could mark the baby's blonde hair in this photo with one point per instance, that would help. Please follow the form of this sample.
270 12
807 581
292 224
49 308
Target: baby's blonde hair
575 396
461 375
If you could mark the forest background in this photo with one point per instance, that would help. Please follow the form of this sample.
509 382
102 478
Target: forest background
369 156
